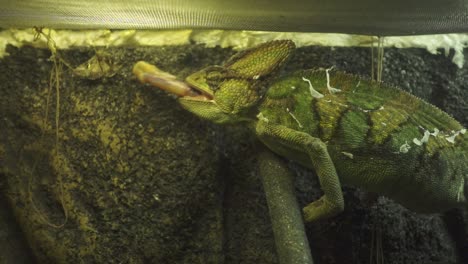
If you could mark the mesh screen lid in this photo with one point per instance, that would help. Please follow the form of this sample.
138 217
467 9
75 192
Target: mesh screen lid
395 17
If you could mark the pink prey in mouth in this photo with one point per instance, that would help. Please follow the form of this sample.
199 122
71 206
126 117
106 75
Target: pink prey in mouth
148 73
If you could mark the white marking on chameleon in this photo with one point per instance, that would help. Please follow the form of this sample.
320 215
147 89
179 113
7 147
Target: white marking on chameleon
332 90
381 108
405 147
460 190
156 197
435 133
384 124
293 87
292 115
262 118
369 110
347 154
451 139
313 92
255 77
423 140
338 103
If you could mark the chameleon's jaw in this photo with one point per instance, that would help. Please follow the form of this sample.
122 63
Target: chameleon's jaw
197 93
147 73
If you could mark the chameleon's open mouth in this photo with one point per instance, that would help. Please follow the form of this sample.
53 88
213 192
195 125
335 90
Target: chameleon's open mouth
196 93
148 73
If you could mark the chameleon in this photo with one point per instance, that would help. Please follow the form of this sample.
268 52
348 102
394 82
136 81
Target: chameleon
349 130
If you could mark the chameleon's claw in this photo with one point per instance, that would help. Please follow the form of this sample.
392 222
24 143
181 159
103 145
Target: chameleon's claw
147 73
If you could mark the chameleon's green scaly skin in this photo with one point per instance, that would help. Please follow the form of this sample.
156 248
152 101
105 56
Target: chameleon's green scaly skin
350 131
369 132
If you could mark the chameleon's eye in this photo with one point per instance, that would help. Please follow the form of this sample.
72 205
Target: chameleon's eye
215 73
213 79
214 76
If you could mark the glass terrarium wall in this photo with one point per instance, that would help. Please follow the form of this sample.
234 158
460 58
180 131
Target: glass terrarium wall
97 167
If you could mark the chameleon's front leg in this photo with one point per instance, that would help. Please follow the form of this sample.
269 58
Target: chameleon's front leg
285 139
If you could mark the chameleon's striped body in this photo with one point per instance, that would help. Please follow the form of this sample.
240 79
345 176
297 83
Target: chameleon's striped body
348 130
375 137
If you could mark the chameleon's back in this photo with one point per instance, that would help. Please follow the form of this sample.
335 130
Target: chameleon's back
380 138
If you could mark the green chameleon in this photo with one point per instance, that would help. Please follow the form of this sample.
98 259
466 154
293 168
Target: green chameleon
349 130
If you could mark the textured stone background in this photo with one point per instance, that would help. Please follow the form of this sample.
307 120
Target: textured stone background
142 181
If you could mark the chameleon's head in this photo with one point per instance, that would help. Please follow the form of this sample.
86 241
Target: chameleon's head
228 92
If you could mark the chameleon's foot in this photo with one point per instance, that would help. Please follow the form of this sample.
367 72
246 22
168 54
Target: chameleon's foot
321 209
